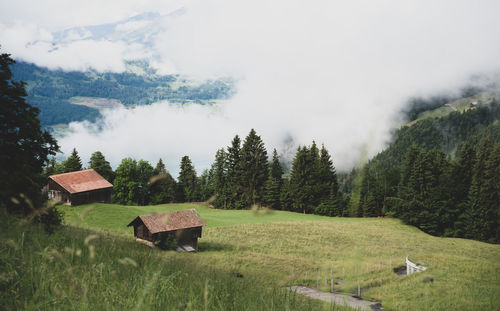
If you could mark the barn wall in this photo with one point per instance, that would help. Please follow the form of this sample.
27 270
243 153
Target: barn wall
101 195
58 193
188 237
142 232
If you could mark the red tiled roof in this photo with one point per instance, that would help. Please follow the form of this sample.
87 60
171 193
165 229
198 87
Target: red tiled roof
171 221
81 181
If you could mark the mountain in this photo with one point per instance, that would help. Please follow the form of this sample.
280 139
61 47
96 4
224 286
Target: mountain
66 96
139 29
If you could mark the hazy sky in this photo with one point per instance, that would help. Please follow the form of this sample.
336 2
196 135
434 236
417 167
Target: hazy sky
333 71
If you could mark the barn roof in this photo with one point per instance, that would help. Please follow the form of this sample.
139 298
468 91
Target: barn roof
81 181
170 221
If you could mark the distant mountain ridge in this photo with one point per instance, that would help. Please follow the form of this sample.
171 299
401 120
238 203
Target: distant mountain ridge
139 29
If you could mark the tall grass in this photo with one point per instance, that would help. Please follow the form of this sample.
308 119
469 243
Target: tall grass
80 269
285 249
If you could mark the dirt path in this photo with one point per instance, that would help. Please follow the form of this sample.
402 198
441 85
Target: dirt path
340 299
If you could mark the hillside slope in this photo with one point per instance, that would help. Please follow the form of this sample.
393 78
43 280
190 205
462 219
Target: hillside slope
78 269
284 248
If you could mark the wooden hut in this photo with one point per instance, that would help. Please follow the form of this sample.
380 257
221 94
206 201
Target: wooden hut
183 226
79 187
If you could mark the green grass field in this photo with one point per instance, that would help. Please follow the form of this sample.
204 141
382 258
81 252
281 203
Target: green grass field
284 248
79 269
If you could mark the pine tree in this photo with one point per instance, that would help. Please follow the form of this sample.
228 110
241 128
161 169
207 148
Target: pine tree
24 146
301 177
286 202
206 189
477 213
461 180
187 180
276 169
274 183
369 205
254 170
233 170
73 163
328 189
409 187
219 177
314 178
327 174
491 196
162 185
101 166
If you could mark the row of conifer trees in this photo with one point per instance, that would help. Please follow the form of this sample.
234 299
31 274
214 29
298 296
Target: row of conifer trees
241 177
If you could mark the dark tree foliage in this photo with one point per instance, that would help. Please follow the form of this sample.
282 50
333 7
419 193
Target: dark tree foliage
132 182
300 188
206 190
254 171
313 184
233 170
162 186
125 182
219 180
274 183
484 195
331 203
73 163
52 167
25 148
423 190
144 174
187 181
100 165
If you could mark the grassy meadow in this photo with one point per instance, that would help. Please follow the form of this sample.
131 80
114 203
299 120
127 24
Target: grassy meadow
94 263
80 269
283 248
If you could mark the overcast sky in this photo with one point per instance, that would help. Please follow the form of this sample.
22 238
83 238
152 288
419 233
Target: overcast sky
333 71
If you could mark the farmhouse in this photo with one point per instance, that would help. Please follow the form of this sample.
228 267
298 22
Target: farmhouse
79 187
182 226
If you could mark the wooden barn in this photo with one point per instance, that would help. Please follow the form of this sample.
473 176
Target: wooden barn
79 187
183 226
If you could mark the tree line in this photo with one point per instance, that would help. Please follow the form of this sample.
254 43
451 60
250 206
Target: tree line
241 177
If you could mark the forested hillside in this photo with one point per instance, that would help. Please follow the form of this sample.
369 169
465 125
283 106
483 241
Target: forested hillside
51 90
440 174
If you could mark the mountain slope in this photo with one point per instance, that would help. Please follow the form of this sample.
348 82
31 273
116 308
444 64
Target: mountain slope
53 91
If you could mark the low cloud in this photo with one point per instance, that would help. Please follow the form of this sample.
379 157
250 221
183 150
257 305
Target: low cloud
336 72
152 132
33 44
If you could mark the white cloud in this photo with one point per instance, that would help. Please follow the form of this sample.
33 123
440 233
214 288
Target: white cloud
33 44
61 14
333 71
153 132
134 25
